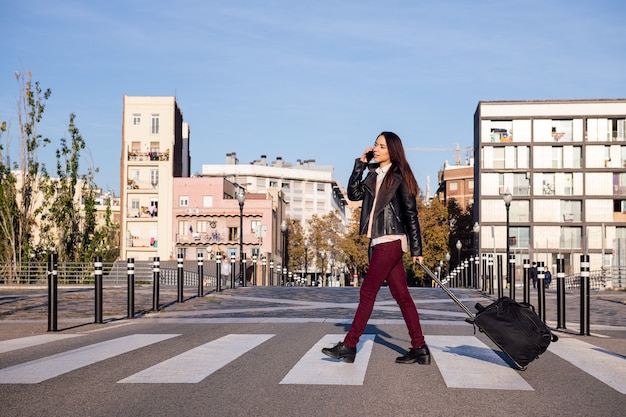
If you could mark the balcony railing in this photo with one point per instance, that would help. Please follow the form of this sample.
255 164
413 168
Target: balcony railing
149 156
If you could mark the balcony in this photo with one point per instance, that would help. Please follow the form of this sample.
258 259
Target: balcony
149 156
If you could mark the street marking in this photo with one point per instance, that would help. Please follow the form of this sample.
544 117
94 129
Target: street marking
25 342
315 368
606 366
466 362
52 366
198 363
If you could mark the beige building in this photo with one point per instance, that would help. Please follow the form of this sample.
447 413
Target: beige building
564 162
155 150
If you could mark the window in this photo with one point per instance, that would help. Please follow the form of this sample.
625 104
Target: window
557 157
155 124
577 156
321 186
135 146
498 158
134 204
571 210
454 186
207 201
134 174
571 237
519 237
285 186
562 130
233 233
618 129
501 131
521 184
183 201
154 147
548 183
202 226
470 184
154 178
136 119
274 184
255 224
183 227
520 210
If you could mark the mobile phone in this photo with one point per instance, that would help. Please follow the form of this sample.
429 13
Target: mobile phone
369 156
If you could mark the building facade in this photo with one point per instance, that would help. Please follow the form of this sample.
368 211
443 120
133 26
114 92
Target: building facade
564 162
155 151
457 182
207 219
308 189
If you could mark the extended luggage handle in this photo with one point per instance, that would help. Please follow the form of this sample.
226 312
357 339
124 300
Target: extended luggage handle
450 294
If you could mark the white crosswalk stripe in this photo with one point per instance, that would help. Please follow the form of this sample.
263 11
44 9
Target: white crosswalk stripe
601 364
24 342
49 367
316 368
464 361
198 363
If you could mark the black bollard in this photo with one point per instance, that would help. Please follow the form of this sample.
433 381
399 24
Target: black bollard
490 262
560 292
511 275
53 293
97 271
243 269
232 270
180 275
541 292
526 284
264 266
218 272
156 282
130 265
200 275
584 295
484 270
500 283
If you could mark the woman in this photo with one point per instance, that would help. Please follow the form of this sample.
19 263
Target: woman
389 219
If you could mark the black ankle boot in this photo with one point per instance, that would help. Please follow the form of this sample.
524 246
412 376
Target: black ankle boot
420 355
341 351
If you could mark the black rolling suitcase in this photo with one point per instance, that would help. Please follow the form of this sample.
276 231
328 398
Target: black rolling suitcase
514 327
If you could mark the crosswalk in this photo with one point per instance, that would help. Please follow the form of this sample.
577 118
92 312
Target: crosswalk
463 361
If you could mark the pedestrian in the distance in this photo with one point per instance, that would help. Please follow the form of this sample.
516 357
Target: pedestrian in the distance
547 277
532 274
389 219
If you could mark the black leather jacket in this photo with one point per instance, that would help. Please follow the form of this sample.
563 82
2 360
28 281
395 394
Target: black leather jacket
395 212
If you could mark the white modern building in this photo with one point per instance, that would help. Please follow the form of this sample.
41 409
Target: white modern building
564 162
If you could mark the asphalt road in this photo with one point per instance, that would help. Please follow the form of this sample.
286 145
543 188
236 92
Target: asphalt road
255 352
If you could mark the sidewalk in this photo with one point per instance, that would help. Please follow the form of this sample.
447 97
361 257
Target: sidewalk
76 305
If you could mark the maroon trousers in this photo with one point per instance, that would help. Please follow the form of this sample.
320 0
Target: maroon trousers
386 264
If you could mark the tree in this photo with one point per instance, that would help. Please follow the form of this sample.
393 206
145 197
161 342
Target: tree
460 230
435 231
354 246
18 198
325 234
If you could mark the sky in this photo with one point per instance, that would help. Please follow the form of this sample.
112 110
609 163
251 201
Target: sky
302 79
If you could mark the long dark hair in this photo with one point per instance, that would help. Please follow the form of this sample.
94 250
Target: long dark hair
399 164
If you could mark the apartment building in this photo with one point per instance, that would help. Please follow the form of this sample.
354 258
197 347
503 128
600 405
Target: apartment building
457 182
207 219
564 162
308 188
155 151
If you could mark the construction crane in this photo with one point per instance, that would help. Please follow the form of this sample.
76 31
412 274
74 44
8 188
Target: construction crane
469 151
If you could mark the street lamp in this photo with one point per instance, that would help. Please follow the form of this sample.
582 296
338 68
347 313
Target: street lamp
241 198
285 229
508 197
